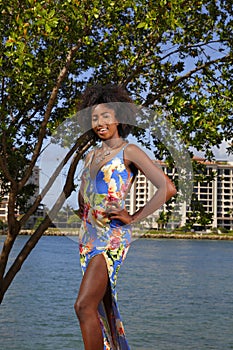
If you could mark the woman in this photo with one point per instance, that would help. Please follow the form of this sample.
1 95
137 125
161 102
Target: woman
106 228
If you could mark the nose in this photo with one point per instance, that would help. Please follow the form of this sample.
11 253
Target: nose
100 120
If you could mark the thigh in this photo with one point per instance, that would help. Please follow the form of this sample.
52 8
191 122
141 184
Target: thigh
95 281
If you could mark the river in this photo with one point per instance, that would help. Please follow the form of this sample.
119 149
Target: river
173 295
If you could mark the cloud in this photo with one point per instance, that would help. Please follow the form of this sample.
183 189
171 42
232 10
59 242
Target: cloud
221 152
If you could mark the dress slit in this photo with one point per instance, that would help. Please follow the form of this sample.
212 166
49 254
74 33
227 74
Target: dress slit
117 330
111 238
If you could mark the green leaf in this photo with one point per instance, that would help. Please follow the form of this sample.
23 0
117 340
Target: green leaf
142 25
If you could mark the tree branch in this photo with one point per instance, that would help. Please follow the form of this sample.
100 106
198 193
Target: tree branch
80 143
184 77
33 240
53 96
141 66
4 158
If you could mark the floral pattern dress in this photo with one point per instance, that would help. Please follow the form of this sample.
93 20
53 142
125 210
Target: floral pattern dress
112 239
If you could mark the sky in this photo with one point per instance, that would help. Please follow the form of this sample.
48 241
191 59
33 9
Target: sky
221 153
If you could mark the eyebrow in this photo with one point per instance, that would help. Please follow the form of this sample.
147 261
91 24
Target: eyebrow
93 115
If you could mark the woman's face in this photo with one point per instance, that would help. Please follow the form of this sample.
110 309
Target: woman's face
104 122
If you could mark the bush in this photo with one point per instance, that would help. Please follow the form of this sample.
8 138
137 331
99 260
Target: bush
223 230
215 230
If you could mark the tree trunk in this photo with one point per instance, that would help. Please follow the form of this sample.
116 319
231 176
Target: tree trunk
68 188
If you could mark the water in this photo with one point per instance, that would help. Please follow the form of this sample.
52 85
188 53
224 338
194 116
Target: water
173 295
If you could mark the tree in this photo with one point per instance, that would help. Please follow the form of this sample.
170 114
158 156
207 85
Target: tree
197 215
172 56
67 217
162 220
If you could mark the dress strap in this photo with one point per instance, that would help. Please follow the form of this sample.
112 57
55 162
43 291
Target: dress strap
124 147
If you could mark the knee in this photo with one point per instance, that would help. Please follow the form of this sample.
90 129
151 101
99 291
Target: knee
83 309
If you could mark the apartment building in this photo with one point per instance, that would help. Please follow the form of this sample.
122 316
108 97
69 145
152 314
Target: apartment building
4 207
34 179
216 196
224 210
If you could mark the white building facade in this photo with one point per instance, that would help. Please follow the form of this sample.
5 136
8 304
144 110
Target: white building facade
216 196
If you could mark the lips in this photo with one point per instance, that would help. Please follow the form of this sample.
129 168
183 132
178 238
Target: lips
102 130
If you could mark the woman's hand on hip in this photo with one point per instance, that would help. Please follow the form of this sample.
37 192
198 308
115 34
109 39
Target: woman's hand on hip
119 214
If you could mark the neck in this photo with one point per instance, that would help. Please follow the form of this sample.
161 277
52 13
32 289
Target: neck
113 143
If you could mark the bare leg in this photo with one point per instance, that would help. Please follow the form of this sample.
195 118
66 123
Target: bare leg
92 290
107 300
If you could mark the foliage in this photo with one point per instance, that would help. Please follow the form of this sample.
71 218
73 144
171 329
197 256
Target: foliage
223 230
2 225
172 56
38 222
68 216
163 219
197 214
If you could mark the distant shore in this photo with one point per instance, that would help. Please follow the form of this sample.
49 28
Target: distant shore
147 234
200 236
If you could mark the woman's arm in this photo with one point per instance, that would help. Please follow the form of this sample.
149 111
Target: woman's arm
165 187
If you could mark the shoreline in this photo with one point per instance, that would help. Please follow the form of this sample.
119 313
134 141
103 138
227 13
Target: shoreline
137 235
197 236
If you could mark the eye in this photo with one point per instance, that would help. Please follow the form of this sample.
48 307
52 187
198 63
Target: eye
94 118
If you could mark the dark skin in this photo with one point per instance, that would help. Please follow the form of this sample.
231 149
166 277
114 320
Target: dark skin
93 289
95 284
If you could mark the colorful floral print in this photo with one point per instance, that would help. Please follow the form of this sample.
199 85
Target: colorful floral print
99 235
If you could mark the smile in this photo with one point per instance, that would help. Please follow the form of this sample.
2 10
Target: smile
102 130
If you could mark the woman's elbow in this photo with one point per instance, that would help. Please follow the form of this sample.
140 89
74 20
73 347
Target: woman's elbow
171 190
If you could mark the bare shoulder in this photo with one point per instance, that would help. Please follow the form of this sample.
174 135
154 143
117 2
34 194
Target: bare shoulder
131 146
133 152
